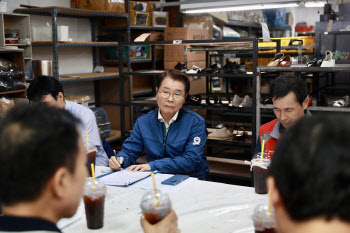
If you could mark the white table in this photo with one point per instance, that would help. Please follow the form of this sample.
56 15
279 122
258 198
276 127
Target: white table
201 206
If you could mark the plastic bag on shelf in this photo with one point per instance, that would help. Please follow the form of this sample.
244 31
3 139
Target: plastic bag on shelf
5 85
10 74
18 85
6 65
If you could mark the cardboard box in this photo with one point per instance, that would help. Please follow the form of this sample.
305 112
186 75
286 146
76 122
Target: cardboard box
175 53
141 6
181 33
160 19
198 86
140 18
97 5
114 6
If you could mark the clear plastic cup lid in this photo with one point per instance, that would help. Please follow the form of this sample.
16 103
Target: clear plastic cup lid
150 201
94 192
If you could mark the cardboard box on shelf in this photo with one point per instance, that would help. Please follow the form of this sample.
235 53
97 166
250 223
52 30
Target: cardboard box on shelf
97 5
181 33
160 19
141 6
140 18
176 53
114 6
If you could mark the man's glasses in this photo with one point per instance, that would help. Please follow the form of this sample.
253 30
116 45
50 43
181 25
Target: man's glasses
166 95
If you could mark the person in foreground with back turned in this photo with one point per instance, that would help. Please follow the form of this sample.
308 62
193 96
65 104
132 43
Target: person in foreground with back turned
173 138
309 182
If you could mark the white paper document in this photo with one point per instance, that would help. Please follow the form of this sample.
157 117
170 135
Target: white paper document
124 178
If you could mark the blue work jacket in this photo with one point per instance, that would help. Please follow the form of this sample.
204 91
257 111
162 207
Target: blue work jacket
180 151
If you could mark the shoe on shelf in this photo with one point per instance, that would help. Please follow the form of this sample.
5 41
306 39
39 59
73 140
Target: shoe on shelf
222 133
194 70
236 101
276 60
241 134
224 100
314 63
247 102
267 100
193 100
181 67
328 61
321 99
342 102
239 68
285 62
211 69
212 100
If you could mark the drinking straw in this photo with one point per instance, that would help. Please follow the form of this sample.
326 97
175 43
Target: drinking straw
82 101
155 189
270 203
262 151
93 175
87 140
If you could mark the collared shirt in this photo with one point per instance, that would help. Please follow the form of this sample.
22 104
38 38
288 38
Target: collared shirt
172 120
26 224
89 124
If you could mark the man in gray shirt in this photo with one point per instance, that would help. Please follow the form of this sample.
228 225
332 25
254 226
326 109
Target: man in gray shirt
48 90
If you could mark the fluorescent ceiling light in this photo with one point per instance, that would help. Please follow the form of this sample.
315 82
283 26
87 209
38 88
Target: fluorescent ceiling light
315 4
240 8
208 6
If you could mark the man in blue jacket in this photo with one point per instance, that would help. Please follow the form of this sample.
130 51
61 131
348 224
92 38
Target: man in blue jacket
173 138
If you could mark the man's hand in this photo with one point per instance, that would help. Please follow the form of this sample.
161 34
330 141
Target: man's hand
139 168
114 164
166 225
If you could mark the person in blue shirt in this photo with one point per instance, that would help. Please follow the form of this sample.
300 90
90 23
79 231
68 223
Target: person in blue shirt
172 138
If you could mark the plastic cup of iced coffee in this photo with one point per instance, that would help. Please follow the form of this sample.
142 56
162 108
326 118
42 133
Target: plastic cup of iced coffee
91 158
155 206
264 220
261 169
94 200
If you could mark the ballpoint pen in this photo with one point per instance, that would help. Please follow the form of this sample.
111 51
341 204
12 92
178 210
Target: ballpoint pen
115 154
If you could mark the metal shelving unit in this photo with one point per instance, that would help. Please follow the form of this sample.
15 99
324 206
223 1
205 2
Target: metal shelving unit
55 12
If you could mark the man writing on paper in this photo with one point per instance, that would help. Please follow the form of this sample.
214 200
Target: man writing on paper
309 182
46 183
290 101
173 138
48 90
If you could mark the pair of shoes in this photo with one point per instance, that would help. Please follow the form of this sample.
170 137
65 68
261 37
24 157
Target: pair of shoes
328 60
267 100
314 63
280 60
211 69
224 100
241 135
193 100
244 102
222 134
342 102
233 68
194 70
181 67
212 100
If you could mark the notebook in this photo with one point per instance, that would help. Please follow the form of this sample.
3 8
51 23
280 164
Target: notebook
124 178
